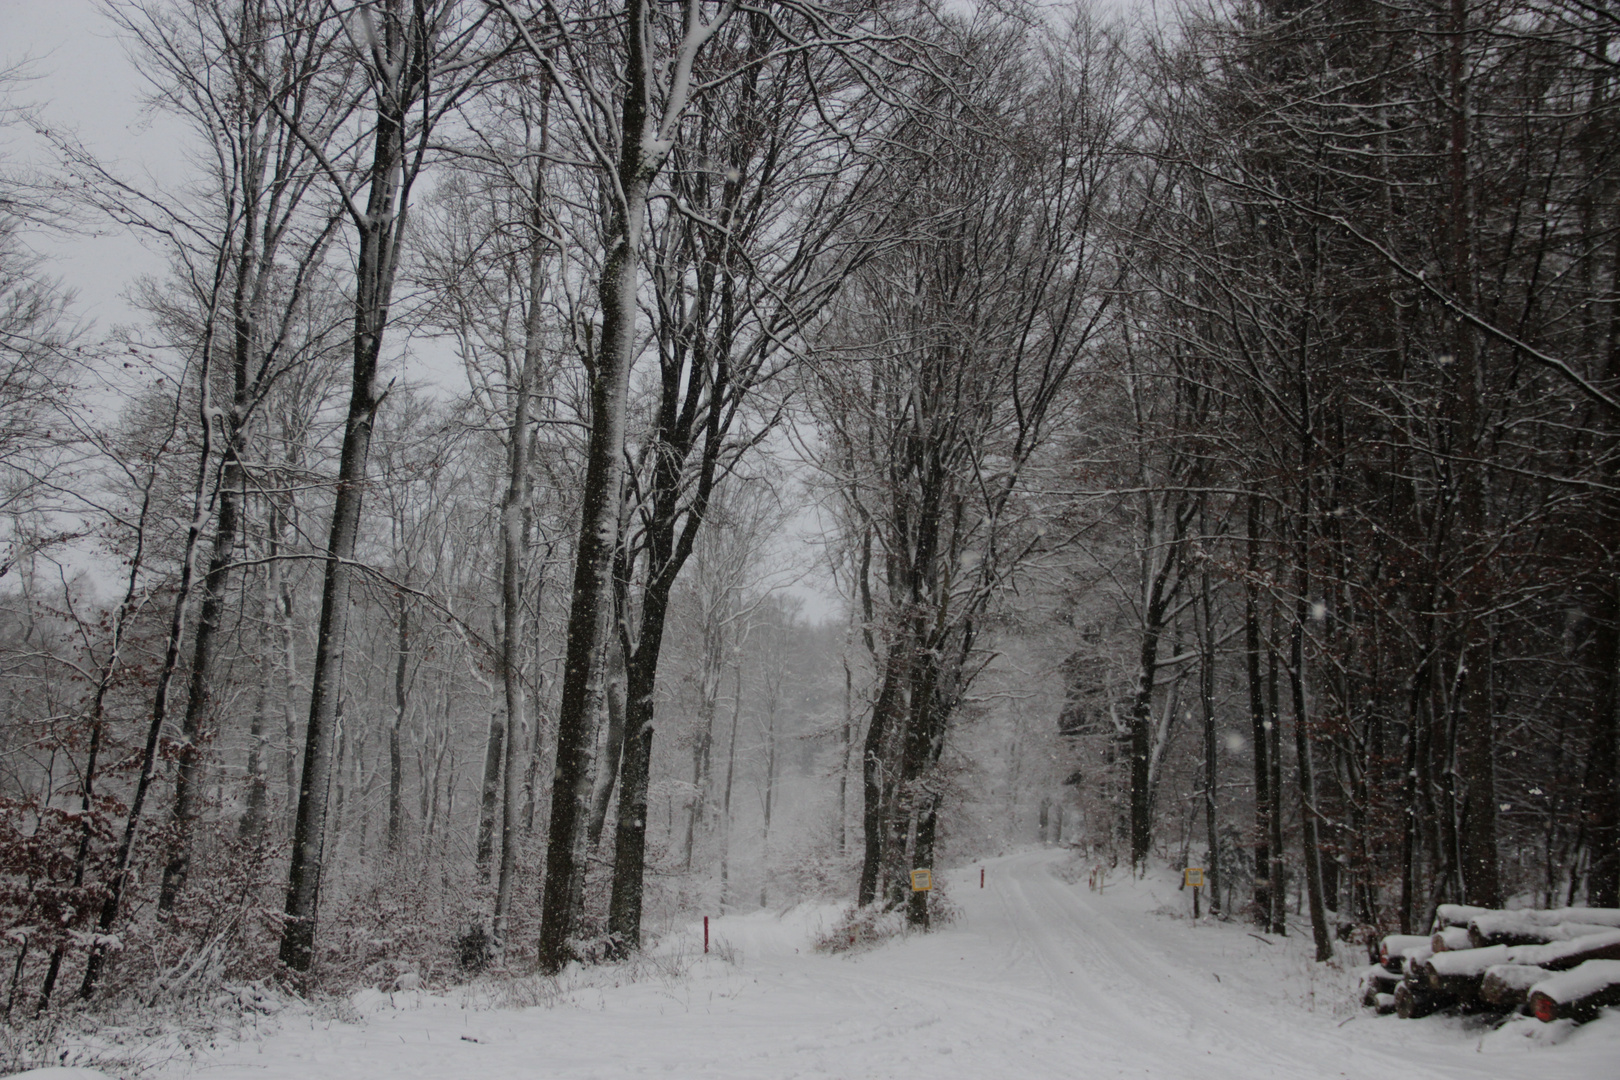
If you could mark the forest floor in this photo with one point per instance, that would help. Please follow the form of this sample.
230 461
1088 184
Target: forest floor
1037 976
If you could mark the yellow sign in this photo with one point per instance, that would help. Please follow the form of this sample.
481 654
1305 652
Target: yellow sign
1194 876
922 880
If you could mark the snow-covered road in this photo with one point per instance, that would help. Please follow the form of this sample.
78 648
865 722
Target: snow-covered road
1037 977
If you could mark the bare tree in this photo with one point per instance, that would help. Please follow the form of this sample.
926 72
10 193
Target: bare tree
418 60
979 320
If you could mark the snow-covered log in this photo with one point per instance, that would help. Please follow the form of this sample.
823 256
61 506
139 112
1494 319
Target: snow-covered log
1524 928
1461 972
1413 959
1450 939
1561 955
1413 1001
1600 916
1462 914
1393 949
1507 986
1377 981
1577 993
1458 914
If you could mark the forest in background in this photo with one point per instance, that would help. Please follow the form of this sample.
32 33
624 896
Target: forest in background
1208 429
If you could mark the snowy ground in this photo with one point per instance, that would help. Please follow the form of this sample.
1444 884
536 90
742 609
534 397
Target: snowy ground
1037 977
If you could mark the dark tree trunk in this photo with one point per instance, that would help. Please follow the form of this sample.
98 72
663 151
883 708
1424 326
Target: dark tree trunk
489 793
1279 896
583 699
1259 724
255 814
1602 795
725 795
612 747
874 769
380 230
1206 693
195 726
396 730
1302 749
1141 729
1481 876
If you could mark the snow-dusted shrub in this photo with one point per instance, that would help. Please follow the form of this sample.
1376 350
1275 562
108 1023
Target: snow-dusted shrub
389 923
861 928
473 952
42 910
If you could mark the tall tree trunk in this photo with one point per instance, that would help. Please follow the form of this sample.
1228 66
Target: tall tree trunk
846 742
1302 749
396 729
1206 693
188 779
1602 787
590 614
1142 725
703 742
1279 896
635 768
490 793
875 767
380 231
255 814
1481 876
612 744
1409 797
725 795
514 555
1259 724
289 663
770 801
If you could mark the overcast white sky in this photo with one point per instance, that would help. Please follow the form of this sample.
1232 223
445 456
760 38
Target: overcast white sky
85 83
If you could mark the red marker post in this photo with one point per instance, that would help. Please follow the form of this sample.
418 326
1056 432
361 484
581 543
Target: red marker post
705 933
981 877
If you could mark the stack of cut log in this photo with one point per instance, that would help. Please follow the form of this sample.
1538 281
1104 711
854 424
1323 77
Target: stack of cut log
1553 964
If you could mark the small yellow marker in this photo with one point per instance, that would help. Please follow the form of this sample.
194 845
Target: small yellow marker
922 880
1193 876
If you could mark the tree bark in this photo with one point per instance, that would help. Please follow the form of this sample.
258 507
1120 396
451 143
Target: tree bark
380 229
1259 723
612 744
1476 742
490 793
1302 749
1602 794
396 730
255 813
590 613
514 556
1206 694
725 795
